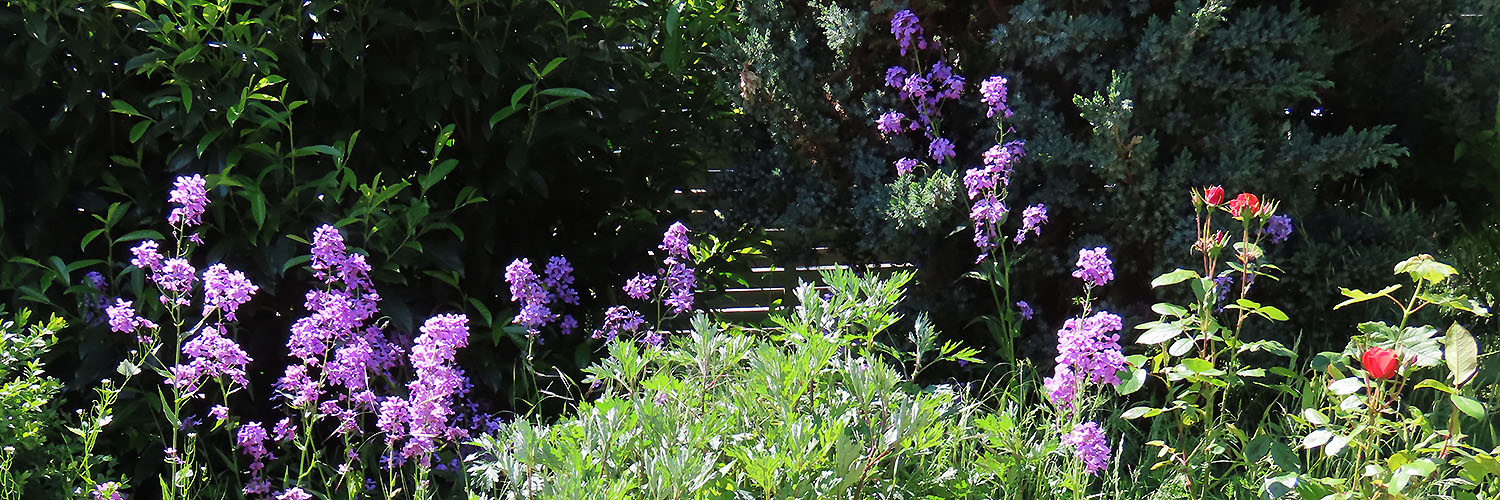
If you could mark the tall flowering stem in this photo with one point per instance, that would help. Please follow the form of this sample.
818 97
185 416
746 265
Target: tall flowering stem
671 289
1088 355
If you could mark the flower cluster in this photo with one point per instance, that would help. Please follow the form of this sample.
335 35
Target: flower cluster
619 320
1094 266
225 290
108 491
1088 350
421 420
673 284
1031 222
337 342
123 319
536 293
251 440
192 196
994 92
1279 228
925 91
1089 444
210 355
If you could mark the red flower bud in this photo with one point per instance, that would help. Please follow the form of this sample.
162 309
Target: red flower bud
1245 201
1380 362
1214 195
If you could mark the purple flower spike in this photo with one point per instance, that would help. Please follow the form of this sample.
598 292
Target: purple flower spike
1279 228
1089 444
190 193
1094 266
993 92
225 290
641 286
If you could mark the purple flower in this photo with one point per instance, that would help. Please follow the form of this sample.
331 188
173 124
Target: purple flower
284 430
619 320
1222 285
987 213
940 149
122 318
294 494
1025 308
993 92
190 193
894 76
1031 221
906 28
219 412
905 166
1061 386
890 122
1279 228
1094 266
559 280
225 290
210 354
147 256
915 87
95 280
680 281
108 491
568 324
1089 444
675 241
526 289
1091 347
251 439
176 275
299 389
438 380
641 286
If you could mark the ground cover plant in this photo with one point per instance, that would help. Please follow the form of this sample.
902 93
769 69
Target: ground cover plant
1134 250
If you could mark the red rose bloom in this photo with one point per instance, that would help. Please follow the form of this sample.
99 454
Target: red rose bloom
1381 362
1214 195
1245 201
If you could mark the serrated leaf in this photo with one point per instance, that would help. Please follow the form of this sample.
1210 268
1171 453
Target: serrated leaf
1357 296
1425 267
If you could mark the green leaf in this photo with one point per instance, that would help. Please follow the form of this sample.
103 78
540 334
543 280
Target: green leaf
1315 417
138 130
141 234
84 243
1134 383
1181 346
1357 296
438 172
1134 413
1462 354
294 262
1159 332
1198 365
1469 406
504 113
1433 384
551 65
1346 386
206 140
1173 278
566 92
1272 313
1425 267
1172 310
515 97
123 107
1316 438
127 368
127 7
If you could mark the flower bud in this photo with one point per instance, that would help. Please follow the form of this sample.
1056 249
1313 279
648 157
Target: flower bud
1380 362
1214 195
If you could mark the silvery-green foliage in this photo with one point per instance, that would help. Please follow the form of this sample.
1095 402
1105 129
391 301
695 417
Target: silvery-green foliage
810 409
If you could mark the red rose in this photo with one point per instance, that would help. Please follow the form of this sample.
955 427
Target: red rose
1245 201
1214 195
1381 362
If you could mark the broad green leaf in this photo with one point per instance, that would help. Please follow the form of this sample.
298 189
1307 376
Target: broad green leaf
1462 354
1134 413
1134 382
1166 309
1335 444
1346 386
1181 346
1469 406
504 113
1316 438
1425 267
1159 332
1198 365
1173 278
1315 417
